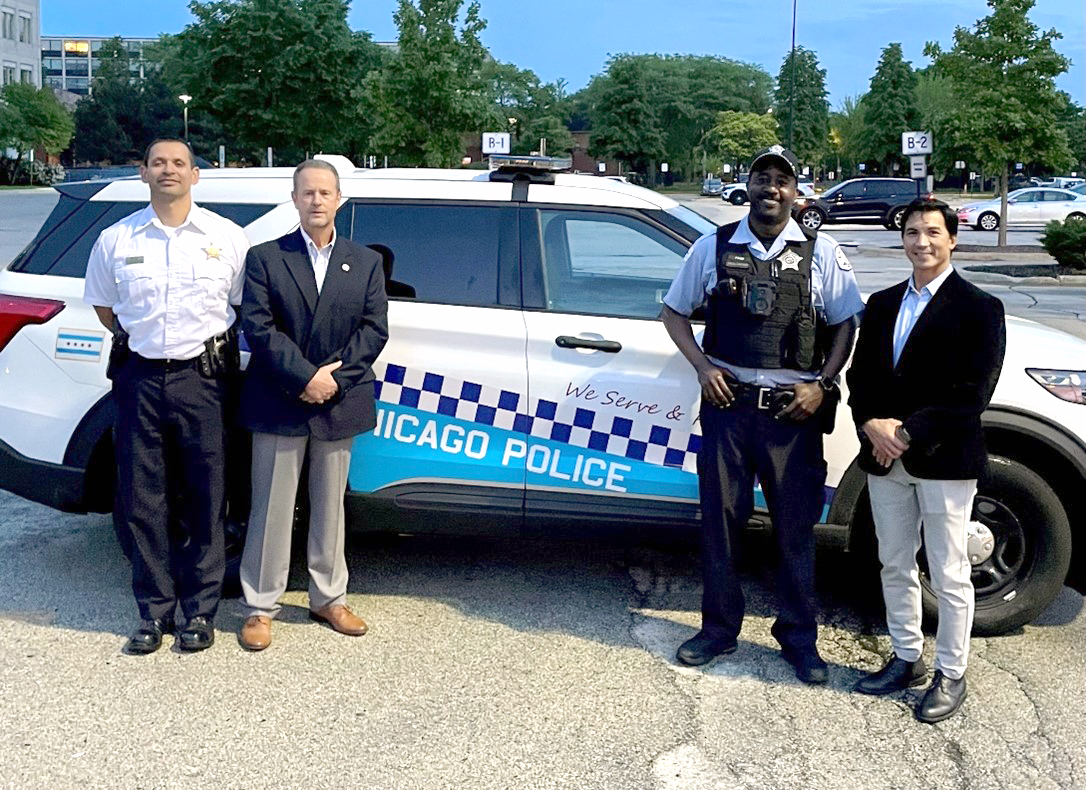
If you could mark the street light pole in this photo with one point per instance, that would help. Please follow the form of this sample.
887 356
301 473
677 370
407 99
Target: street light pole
185 98
792 80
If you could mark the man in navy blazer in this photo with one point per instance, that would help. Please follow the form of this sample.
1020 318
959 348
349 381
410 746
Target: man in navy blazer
926 364
315 317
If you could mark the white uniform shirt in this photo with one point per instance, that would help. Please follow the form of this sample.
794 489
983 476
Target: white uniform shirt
170 288
834 292
319 256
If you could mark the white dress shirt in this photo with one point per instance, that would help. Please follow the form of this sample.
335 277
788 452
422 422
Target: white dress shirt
319 256
170 288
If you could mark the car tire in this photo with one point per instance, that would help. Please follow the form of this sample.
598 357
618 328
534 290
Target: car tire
1077 217
811 218
893 218
737 198
987 221
1028 562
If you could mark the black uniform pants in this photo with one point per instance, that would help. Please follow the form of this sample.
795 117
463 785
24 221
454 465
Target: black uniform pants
737 444
170 449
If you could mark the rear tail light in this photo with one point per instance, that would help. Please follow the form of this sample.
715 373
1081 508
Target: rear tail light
19 311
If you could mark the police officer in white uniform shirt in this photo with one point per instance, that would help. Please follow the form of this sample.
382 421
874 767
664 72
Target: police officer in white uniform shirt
780 319
165 281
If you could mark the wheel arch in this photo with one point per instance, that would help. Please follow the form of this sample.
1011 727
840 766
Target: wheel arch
91 450
1057 456
1043 446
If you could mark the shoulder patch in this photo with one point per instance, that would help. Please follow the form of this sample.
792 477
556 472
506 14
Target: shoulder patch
843 263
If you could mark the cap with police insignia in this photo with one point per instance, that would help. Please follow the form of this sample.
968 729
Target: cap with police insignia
776 154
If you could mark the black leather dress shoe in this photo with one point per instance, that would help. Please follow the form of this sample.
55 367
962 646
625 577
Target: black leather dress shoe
147 638
809 666
942 699
703 648
198 634
898 674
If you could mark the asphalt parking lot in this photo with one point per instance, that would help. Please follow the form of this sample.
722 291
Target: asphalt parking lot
499 663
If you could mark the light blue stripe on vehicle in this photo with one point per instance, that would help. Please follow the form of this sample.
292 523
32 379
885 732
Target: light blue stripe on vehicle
88 338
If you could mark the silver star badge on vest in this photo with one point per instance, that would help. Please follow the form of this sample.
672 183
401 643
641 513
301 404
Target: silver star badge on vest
790 261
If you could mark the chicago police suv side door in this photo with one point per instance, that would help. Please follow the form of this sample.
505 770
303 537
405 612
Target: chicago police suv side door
451 379
611 435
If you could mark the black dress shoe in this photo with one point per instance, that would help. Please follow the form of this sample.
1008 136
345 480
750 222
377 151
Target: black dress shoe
898 674
198 634
809 666
703 648
942 699
147 638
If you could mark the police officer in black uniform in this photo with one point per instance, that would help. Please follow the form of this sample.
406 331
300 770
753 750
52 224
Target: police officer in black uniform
781 308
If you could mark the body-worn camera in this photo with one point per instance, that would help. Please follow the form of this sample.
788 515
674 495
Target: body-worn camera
760 296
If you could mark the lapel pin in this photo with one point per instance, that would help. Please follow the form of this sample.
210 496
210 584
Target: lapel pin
346 268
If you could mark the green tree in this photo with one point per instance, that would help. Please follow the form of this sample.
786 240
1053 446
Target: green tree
737 136
121 115
1006 104
281 73
434 90
889 110
687 94
530 110
30 118
1072 119
801 107
626 123
846 128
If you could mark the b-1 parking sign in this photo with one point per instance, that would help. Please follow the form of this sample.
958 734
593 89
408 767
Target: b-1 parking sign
495 142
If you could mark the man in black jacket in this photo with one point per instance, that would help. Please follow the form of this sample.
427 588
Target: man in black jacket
926 364
315 316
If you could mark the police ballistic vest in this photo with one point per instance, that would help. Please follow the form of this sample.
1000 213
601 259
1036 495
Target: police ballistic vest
760 314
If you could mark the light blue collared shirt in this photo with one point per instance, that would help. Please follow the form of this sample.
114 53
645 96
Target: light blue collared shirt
912 305
834 292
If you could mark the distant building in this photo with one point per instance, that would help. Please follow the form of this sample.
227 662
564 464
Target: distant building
70 64
20 50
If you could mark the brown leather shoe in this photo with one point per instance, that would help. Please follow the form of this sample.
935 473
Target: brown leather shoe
340 618
255 633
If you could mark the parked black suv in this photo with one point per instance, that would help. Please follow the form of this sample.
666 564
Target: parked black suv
881 200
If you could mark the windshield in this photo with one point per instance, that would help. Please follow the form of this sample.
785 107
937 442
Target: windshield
693 219
833 190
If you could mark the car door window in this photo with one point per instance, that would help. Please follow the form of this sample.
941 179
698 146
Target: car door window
606 264
447 254
1028 197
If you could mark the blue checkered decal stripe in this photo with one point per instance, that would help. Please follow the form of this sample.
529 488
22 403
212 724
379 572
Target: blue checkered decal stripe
569 423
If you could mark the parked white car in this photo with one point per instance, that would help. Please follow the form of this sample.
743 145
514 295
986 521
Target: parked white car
1030 206
736 192
527 385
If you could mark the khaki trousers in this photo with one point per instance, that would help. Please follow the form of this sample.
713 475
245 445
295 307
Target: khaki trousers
265 563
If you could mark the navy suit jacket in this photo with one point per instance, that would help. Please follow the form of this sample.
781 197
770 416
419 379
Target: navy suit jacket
291 332
942 382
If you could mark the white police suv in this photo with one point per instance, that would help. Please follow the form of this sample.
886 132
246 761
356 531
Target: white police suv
527 385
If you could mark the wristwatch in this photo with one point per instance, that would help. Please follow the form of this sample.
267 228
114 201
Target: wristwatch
827 384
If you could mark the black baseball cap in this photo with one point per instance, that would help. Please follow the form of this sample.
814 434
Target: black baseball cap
779 155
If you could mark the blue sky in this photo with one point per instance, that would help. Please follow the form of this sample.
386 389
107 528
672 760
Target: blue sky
574 38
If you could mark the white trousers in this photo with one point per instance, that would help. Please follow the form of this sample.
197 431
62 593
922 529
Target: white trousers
265 563
903 505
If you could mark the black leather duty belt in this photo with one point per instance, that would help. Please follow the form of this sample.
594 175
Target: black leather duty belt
762 398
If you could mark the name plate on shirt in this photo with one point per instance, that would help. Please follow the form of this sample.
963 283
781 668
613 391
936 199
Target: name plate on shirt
133 259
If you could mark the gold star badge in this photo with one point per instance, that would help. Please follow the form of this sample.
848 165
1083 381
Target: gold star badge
211 251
